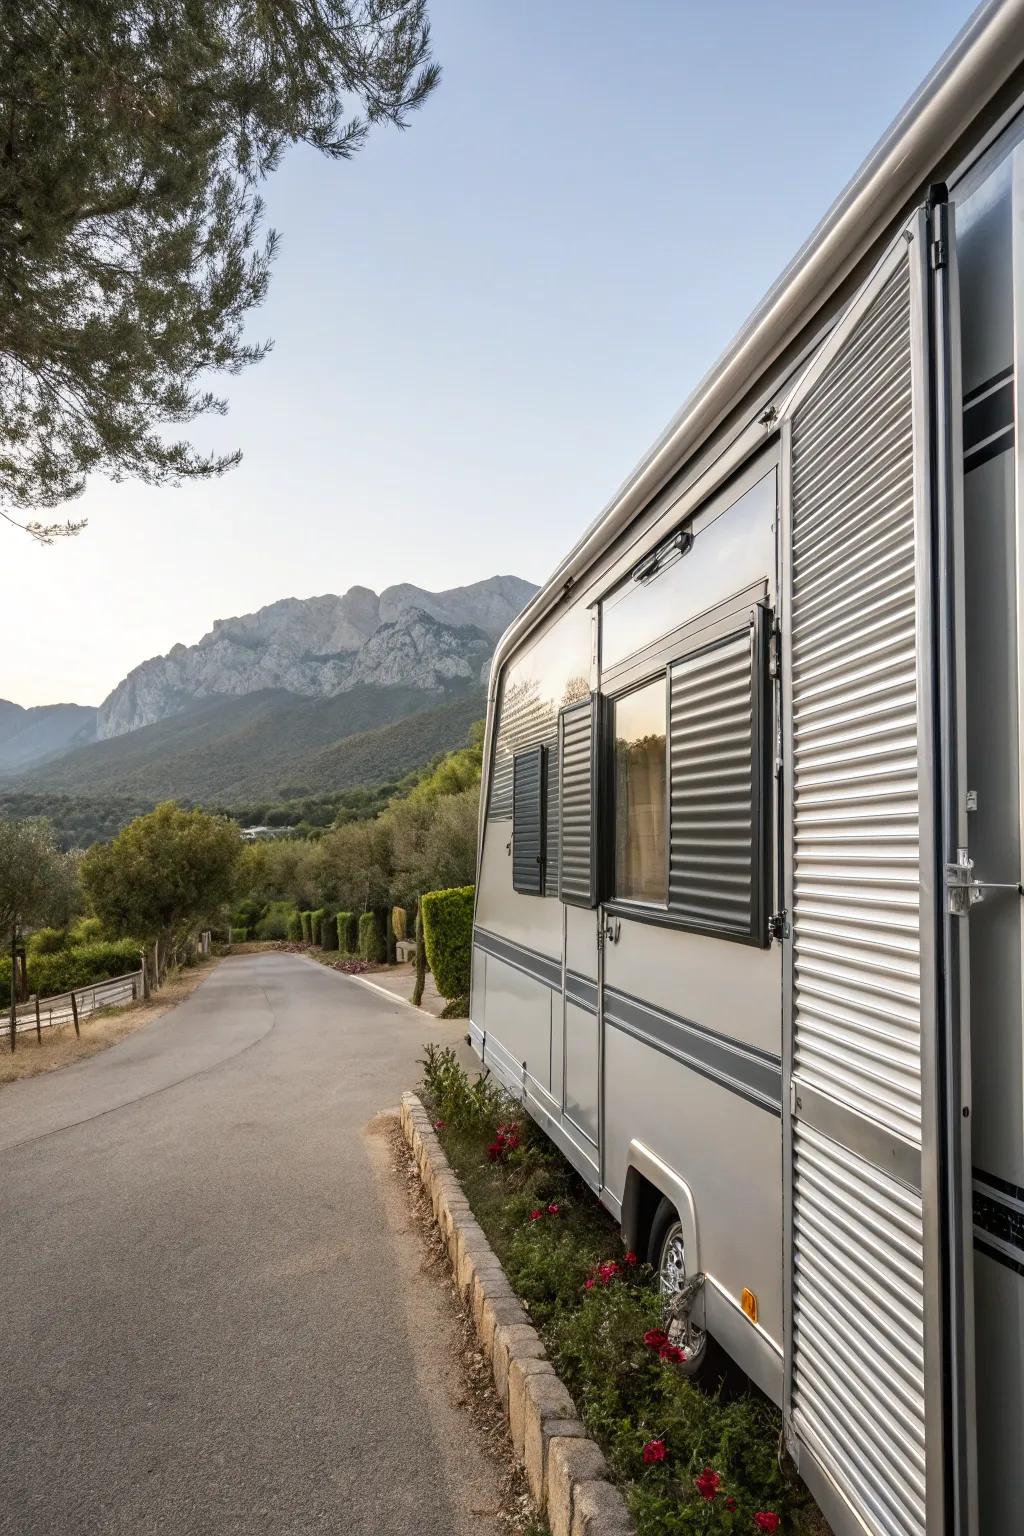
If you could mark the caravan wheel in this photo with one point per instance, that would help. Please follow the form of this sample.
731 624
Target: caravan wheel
666 1253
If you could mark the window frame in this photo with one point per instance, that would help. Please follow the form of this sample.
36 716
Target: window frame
711 630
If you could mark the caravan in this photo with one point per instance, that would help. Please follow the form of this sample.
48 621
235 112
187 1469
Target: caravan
748 935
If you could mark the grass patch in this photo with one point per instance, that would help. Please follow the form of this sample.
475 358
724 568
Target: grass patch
593 1305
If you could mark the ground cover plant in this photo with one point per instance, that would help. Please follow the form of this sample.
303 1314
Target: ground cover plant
688 1460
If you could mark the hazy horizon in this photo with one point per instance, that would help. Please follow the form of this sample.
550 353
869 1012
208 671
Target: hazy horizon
481 324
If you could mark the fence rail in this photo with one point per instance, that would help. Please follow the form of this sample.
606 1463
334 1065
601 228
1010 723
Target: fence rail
55 1011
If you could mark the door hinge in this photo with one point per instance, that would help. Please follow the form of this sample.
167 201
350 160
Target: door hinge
778 925
964 892
939 254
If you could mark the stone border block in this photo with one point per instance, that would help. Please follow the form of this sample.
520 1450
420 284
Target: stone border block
567 1474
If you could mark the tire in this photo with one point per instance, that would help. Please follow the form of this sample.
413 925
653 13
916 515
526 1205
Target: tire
666 1255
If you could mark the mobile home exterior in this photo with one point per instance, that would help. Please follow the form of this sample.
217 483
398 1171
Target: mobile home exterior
748 938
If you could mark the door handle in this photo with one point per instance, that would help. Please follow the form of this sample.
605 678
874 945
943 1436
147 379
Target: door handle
964 892
612 928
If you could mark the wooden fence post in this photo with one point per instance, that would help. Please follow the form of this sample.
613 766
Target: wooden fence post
74 1015
39 1027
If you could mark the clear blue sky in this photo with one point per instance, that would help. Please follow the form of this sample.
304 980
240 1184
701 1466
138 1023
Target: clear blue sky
481 324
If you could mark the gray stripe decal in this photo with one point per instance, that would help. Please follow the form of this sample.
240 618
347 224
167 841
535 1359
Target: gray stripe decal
753 1074
581 991
541 967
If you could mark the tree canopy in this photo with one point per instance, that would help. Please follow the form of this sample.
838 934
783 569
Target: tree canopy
164 874
133 138
37 885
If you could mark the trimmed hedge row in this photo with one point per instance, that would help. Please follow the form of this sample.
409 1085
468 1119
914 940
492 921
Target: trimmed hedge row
78 967
295 927
239 935
373 939
329 931
347 928
306 930
448 937
316 923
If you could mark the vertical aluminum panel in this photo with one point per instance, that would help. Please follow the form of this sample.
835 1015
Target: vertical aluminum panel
864 1401
551 819
529 777
577 805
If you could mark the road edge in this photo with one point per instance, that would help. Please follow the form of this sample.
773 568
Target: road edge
566 1471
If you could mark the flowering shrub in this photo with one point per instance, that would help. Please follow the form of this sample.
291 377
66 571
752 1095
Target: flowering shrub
687 1462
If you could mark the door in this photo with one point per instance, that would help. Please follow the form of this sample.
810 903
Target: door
878 1389
577 877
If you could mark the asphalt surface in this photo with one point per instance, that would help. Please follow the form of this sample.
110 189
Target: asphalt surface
212 1317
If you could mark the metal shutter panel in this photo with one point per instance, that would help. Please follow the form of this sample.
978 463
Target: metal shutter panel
528 783
715 773
524 720
551 822
577 882
858 1234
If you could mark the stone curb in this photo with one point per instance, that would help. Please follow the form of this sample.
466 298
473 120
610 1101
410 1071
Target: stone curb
567 1474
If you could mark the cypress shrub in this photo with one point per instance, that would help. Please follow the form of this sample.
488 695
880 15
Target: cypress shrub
373 945
448 938
305 917
316 922
399 922
348 932
329 931
295 926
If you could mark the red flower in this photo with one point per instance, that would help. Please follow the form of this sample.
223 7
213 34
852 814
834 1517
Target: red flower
607 1271
511 1141
672 1353
631 1258
588 1285
655 1338
731 1504
494 1151
654 1450
553 1209
708 1484
536 1215
766 1520
438 1125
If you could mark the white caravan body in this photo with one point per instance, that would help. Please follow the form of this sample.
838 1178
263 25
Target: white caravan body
748 927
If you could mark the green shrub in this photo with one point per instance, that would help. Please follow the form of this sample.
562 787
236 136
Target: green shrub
316 922
295 926
329 931
88 930
306 916
48 941
399 922
347 924
274 923
76 967
248 913
373 944
448 936
239 935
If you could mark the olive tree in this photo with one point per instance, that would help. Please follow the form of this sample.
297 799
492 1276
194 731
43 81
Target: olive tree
36 886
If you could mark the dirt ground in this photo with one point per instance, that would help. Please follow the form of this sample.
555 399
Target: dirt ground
61 1047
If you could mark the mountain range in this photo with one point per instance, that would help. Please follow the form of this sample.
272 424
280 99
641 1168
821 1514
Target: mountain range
303 696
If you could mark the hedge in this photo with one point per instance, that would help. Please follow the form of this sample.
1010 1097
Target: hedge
78 967
48 941
448 937
373 943
274 922
239 935
316 922
305 917
347 924
295 926
399 922
329 931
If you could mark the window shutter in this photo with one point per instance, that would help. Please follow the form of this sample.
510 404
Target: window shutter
528 786
717 864
551 821
577 882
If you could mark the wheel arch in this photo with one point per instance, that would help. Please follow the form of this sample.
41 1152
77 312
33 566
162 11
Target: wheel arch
648 1178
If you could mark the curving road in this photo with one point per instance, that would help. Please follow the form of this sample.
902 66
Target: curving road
213 1318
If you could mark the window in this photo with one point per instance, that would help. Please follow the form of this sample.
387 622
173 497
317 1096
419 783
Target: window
641 840
529 782
690 789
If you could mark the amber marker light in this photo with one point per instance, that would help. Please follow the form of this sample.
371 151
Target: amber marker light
748 1301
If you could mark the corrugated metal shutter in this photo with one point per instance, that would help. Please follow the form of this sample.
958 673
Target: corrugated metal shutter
529 778
857 1371
715 774
524 720
577 876
551 834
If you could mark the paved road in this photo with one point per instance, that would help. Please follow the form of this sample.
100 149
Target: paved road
212 1315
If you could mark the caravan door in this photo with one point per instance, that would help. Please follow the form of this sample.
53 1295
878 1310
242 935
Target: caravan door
878 1388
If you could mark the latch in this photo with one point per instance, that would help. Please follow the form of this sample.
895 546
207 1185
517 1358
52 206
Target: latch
778 925
775 650
964 892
